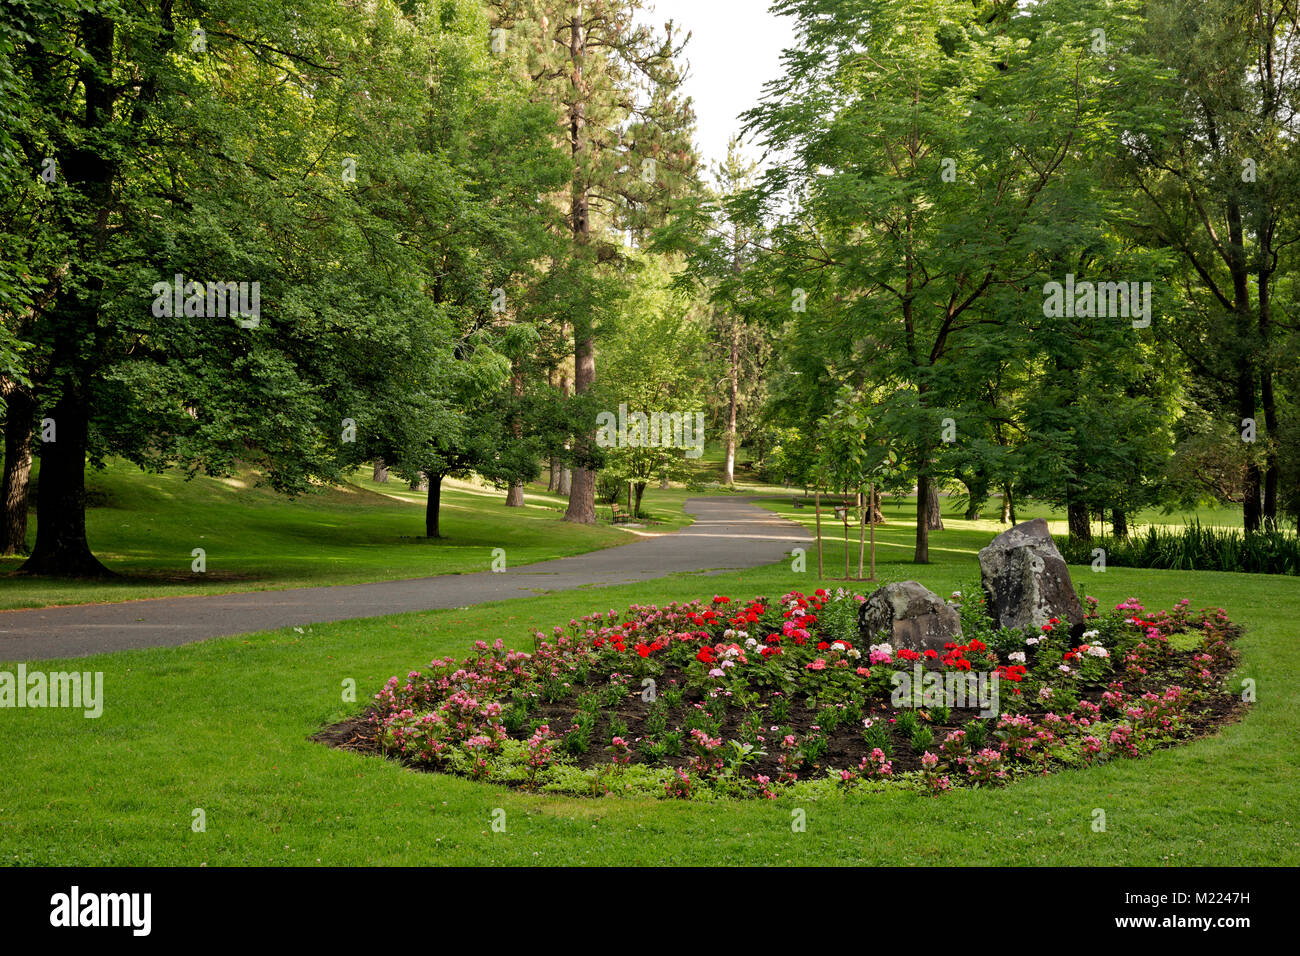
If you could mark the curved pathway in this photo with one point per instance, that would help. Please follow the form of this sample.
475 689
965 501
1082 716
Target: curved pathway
728 534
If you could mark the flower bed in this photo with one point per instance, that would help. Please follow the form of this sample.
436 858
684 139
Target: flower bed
727 699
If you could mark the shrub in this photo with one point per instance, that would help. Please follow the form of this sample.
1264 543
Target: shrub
1194 548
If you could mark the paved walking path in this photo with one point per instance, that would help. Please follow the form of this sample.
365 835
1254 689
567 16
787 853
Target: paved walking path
728 534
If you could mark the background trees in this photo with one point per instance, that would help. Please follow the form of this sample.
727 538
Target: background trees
453 211
1215 171
627 131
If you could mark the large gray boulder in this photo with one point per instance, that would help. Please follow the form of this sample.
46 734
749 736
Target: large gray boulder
908 615
1026 582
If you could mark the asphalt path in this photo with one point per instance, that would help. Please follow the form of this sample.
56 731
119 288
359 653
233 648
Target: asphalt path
728 534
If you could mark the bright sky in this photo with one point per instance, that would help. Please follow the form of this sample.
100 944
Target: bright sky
735 48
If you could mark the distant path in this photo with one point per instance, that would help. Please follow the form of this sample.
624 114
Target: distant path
728 534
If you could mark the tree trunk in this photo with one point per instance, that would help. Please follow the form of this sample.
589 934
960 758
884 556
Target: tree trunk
1247 360
515 491
1252 511
1079 521
640 490
433 505
877 515
733 392
90 172
922 553
61 549
875 496
582 484
817 503
582 487
566 480
17 471
862 529
553 476
1118 523
846 542
933 514
1272 470
381 472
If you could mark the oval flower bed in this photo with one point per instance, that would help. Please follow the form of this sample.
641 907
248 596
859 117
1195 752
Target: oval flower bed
723 698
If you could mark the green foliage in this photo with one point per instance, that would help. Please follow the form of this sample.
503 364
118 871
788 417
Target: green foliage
921 738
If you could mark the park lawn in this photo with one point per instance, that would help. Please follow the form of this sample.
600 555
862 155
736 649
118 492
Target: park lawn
145 527
223 726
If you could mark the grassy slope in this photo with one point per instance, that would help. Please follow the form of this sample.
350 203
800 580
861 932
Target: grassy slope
223 726
708 468
145 527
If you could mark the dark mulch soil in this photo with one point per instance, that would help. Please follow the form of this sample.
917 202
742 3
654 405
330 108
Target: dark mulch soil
846 745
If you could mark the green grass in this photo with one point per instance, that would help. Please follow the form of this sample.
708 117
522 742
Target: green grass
223 726
896 538
144 527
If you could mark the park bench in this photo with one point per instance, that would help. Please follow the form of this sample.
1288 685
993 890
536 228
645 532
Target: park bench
618 515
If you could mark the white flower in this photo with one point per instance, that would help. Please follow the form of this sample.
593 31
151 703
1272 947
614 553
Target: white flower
837 646
1064 669
1031 640
728 634
854 653
883 648
1017 656
1088 635
1096 650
